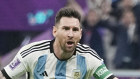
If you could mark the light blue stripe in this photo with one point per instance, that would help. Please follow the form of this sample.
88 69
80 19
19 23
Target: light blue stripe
81 64
60 72
40 67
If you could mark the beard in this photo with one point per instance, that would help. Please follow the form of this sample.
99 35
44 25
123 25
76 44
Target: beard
68 49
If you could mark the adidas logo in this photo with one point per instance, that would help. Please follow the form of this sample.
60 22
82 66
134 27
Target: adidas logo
44 74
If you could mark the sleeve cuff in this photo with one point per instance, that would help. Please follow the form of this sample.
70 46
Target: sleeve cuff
111 77
5 74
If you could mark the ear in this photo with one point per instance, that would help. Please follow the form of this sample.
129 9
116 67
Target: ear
54 31
81 33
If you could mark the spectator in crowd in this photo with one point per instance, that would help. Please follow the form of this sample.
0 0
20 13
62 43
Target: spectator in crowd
92 32
96 21
127 42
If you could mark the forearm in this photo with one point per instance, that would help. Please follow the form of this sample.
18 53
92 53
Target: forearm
1 76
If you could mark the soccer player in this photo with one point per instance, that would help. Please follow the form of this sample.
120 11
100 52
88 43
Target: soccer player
61 58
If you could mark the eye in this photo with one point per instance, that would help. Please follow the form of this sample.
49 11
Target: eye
66 28
75 29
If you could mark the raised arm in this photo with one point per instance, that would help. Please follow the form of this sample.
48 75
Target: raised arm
1 76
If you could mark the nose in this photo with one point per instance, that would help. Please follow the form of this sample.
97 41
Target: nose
70 34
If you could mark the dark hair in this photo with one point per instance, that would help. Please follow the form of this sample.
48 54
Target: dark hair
67 12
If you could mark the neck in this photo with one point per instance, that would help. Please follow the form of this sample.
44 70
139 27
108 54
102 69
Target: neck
60 53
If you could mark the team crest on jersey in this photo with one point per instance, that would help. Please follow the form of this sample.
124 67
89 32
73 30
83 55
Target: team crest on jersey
14 64
76 74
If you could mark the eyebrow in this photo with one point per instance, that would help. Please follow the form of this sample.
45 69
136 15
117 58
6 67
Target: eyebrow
69 26
65 26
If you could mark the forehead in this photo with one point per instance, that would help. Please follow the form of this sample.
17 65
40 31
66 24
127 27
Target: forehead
69 21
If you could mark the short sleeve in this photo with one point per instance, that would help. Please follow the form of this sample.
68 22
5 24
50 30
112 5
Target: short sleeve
16 67
102 72
24 61
98 68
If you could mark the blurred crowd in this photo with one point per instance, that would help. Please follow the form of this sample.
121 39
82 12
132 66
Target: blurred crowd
121 18
110 27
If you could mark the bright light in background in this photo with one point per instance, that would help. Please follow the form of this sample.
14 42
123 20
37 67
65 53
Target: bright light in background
40 17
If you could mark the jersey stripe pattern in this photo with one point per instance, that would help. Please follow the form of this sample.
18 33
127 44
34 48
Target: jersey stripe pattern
41 62
60 72
40 67
37 47
86 49
81 65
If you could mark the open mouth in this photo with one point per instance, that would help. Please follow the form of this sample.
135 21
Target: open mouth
70 43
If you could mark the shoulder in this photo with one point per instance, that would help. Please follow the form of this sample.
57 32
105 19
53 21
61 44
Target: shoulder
87 50
33 47
38 43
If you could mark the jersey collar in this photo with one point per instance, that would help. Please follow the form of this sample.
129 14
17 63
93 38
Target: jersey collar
52 49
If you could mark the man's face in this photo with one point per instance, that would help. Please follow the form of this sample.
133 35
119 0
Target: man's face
67 33
128 18
127 3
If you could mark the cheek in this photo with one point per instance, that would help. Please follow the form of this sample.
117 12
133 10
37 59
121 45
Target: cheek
78 36
61 35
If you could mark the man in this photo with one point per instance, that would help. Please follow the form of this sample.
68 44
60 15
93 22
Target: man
61 58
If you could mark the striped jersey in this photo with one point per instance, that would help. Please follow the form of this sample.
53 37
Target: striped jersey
40 61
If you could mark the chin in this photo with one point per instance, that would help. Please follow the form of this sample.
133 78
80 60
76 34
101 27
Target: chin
70 50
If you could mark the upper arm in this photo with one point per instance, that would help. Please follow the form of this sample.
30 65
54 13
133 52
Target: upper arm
15 68
99 69
102 72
